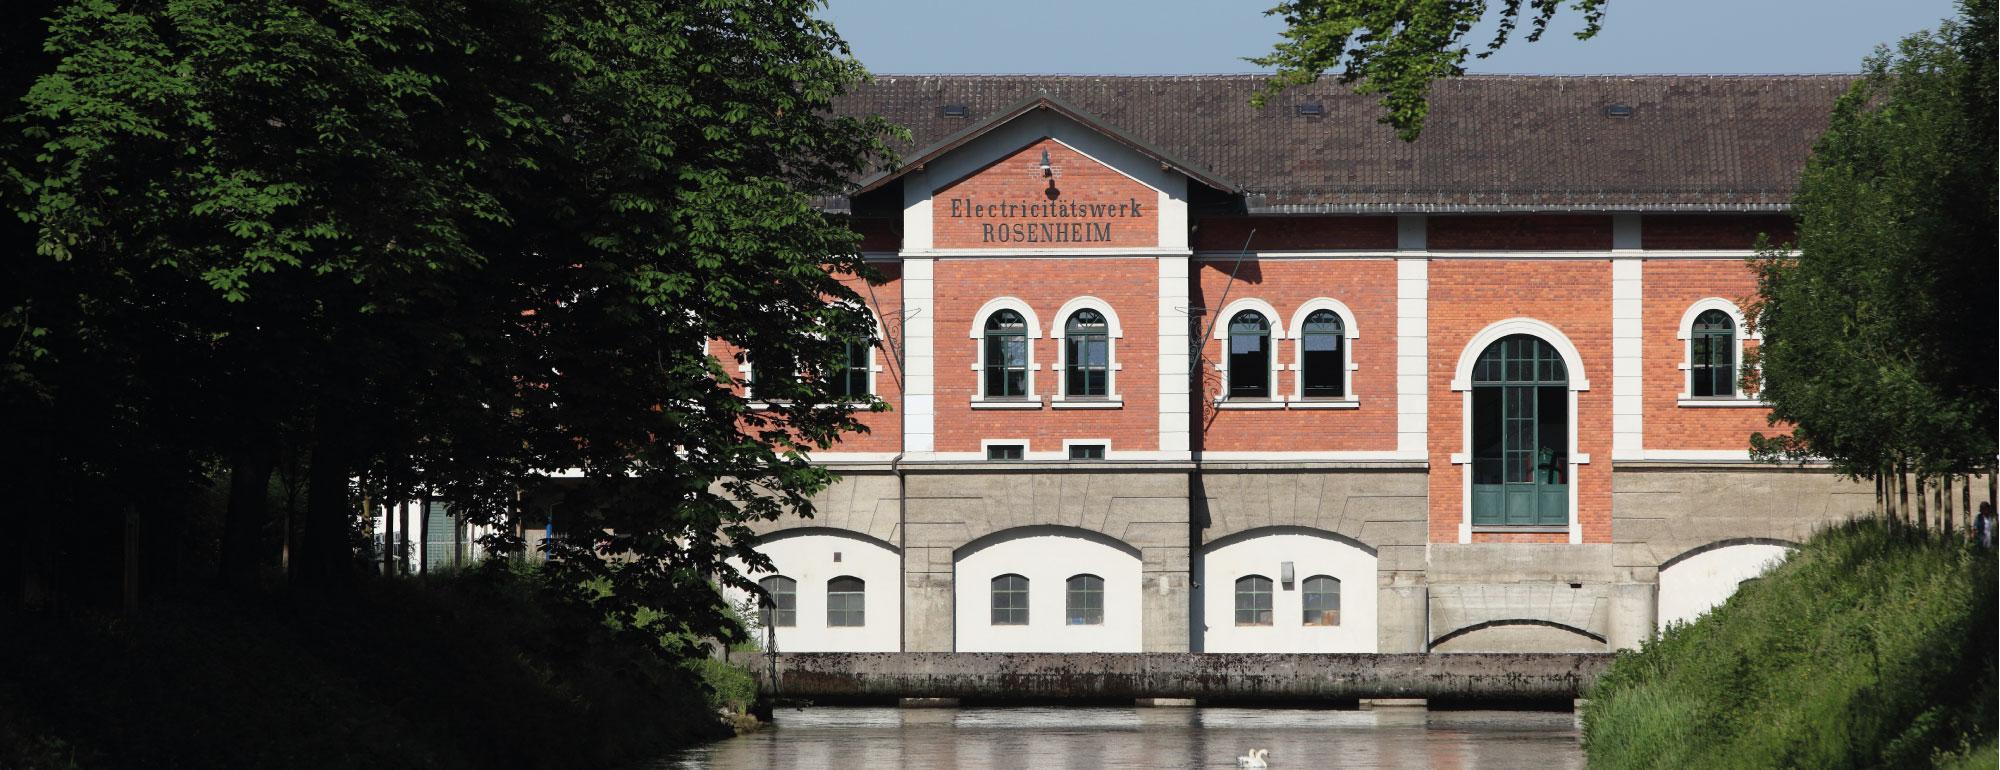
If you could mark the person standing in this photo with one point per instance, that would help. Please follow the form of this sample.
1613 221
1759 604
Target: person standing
1982 527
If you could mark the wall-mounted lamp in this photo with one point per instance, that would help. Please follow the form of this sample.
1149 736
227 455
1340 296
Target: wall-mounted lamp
1285 574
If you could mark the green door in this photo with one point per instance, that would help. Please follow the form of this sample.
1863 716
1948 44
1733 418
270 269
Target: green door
1520 435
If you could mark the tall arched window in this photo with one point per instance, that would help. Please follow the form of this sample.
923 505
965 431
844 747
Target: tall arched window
1249 355
1010 600
1321 599
781 610
1520 434
846 601
1087 355
1006 355
1083 601
1253 600
1712 355
1323 360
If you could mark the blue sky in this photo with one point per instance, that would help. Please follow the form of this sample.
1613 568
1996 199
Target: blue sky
1213 36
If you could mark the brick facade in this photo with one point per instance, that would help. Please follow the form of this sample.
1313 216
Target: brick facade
1671 287
1543 232
1665 232
1010 204
1295 233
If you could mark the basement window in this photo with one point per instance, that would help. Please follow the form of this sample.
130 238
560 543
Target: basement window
1005 451
1086 452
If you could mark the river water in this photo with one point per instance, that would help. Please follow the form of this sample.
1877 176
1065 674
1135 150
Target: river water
1143 738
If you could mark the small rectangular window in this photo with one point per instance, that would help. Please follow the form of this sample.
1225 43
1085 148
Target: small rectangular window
1005 452
1086 452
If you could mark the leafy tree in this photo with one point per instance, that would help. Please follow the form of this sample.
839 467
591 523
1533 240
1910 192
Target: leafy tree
459 249
1396 48
1879 329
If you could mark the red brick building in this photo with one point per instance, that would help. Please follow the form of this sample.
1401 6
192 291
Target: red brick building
1173 373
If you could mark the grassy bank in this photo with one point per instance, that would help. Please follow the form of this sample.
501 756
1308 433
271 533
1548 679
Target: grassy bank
475 671
1872 646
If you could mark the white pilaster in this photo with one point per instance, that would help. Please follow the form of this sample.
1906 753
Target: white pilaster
1627 360
919 361
917 234
1174 353
1412 355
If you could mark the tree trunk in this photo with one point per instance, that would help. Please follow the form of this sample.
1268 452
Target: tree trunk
1965 497
1902 492
248 514
1944 505
1881 501
1923 519
326 554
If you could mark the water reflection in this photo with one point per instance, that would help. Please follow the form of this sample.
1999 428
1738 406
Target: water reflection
1151 738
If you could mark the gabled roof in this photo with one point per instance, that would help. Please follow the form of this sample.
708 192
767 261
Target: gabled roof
1492 143
1040 101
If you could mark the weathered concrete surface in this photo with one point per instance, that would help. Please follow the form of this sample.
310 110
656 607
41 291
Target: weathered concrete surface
1236 677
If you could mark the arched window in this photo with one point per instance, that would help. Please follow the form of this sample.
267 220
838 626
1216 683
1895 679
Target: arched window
1323 360
1083 601
1010 600
1322 600
1712 355
1520 434
851 379
1087 355
1249 355
1253 601
781 609
846 601
1006 355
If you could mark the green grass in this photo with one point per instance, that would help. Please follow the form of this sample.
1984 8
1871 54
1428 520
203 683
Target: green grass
1872 646
482 670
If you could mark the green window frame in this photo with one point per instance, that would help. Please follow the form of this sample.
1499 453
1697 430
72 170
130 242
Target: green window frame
1086 355
1323 356
1083 600
1520 435
1253 600
852 380
1010 600
1006 355
1249 355
1712 356
846 602
780 608
1320 595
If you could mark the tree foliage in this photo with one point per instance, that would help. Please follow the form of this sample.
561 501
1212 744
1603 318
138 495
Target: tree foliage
458 249
1397 48
1879 329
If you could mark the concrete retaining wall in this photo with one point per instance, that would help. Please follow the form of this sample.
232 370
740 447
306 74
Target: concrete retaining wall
1235 677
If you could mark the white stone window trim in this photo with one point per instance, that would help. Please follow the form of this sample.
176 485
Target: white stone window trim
1222 398
1073 442
744 366
1349 332
1029 400
1685 333
1461 381
1059 326
986 448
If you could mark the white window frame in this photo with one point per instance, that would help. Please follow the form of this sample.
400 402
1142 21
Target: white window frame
986 446
1685 332
1112 398
1070 442
1277 398
1461 381
1029 400
1348 331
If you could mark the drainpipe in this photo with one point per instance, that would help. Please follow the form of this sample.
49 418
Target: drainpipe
903 548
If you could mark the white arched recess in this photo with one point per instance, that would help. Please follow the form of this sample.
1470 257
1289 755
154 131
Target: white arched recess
1702 579
1221 332
1264 552
992 306
1348 331
1048 557
1685 333
814 555
1461 381
1113 330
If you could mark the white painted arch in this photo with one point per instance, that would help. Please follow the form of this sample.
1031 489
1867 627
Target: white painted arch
1703 578
1685 333
1462 376
1349 331
814 555
1048 556
978 334
1221 332
1462 382
1115 330
1264 552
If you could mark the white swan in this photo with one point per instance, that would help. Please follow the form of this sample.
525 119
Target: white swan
1254 759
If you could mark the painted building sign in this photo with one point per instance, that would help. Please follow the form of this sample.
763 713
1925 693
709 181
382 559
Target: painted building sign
1045 196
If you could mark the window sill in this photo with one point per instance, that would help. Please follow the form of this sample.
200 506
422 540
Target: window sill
1087 403
1323 403
1245 403
1725 403
1034 403
1538 529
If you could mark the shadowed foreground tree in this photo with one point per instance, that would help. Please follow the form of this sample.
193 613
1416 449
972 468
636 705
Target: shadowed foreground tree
1397 48
456 249
1880 343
